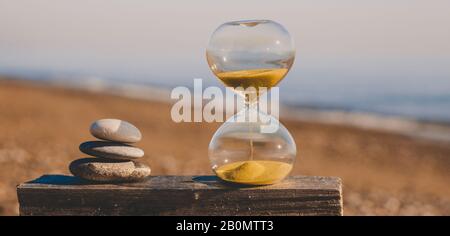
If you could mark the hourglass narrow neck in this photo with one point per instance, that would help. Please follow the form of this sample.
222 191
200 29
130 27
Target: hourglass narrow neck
250 100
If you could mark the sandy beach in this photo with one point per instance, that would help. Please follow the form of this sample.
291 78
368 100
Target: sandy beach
384 173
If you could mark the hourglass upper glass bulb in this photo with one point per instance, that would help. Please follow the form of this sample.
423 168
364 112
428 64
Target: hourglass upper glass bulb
254 53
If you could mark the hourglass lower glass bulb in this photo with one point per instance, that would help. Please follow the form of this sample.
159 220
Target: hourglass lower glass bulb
241 152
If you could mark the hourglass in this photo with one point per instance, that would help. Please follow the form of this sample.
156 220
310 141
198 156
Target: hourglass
249 56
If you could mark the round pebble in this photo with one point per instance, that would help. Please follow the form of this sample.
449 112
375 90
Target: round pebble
111 150
102 170
115 130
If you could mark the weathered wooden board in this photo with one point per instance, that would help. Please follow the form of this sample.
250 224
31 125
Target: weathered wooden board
180 195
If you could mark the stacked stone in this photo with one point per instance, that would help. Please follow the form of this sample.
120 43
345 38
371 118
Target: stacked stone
115 159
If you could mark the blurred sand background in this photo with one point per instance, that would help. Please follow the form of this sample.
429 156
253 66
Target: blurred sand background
383 173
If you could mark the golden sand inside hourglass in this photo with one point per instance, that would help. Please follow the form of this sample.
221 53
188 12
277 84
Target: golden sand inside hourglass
254 172
256 78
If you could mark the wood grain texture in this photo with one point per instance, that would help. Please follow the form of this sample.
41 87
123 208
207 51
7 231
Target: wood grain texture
180 195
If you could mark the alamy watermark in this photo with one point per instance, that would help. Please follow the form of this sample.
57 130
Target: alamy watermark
211 104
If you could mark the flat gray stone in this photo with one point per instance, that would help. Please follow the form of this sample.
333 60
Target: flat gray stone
111 150
115 130
96 169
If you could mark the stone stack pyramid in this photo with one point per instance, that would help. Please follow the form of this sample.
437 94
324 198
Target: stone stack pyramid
113 159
